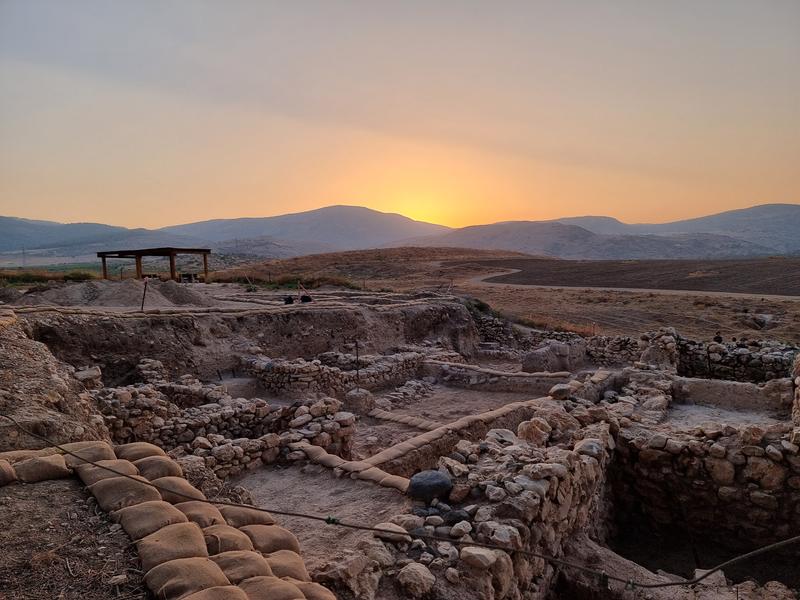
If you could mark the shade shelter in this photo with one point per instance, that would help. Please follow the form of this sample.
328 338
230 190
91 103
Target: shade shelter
168 251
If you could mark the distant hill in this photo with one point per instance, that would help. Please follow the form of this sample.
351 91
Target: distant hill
338 227
80 238
757 231
774 226
570 241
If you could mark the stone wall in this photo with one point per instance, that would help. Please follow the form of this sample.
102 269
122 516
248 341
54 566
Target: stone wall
612 350
506 491
228 434
738 486
302 377
755 361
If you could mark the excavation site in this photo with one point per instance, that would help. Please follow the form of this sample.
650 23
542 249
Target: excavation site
231 442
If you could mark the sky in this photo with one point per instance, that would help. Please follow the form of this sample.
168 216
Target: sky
158 112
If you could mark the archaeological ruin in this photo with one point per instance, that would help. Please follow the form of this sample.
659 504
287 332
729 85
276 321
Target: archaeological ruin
481 458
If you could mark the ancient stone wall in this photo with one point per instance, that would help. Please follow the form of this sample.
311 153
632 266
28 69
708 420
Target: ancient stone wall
755 361
300 377
739 486
229 434
612 350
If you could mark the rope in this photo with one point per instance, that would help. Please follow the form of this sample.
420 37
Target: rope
602 576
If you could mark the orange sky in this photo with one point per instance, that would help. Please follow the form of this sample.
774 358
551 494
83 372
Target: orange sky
456 113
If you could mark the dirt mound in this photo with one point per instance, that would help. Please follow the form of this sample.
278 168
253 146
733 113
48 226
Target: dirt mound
113 293
180 294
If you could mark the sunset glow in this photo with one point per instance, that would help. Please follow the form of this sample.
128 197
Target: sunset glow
149 114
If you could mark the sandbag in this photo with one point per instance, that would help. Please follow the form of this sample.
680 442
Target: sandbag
395 481
239 565
224 538
182 540
237 516
155 467
373 474
136 450
40 468
313 591
202 513
178 578
115 493
270 588
285 563
7 473
271 538
97 452
15 456
330 460
227 592
91 474
176 490
143 519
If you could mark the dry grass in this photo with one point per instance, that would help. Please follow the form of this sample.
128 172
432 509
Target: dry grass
28 276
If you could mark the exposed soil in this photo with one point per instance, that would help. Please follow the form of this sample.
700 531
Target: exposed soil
686 416
373 436
779 276
591 312
446 405
315 490
56 543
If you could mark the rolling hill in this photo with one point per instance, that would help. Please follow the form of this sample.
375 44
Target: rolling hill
338 227
758 231
775 226
570 241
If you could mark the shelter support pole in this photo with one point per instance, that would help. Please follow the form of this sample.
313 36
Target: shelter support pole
173 274
105 267
205 267
138 267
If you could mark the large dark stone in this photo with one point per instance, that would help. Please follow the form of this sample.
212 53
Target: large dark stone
427 485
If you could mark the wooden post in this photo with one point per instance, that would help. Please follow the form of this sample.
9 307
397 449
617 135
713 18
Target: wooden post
205 267
105 268
138 267
173 274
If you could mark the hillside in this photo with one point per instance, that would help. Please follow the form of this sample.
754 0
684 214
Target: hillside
764 230
570 241
339 227
772 225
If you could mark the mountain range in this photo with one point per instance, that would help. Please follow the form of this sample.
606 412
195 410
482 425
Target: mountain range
757 231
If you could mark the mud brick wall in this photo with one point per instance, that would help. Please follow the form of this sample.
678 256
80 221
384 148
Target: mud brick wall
738 486
301 377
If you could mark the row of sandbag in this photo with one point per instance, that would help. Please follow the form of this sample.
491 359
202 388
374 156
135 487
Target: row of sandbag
189 549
